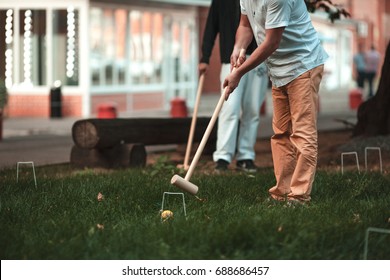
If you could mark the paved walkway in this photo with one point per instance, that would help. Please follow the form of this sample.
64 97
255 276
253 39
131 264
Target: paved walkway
49 141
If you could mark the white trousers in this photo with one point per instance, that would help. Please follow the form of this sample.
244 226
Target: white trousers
239 118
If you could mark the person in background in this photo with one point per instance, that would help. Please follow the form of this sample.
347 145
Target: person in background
360 66
239 118
372 59
289 44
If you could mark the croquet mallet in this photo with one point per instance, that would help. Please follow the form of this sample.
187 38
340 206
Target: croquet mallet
185 183
193 123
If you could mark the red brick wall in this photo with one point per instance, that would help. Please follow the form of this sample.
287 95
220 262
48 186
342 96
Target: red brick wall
129 102
31 105
39 106
72 106
147 101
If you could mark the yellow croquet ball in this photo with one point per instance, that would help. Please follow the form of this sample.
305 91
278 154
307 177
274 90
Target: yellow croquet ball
166 214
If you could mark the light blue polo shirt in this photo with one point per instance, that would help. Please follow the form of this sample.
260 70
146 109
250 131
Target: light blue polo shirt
300 48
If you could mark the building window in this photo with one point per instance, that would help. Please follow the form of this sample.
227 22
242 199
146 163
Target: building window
31 56
183 53
7 57
120 18
146 50
108 45
96 54
141 49
65 46
108 60
126 47
32 31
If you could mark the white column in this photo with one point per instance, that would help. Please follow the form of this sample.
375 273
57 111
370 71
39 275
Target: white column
84 50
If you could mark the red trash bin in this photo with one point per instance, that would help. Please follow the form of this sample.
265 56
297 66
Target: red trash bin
355 98
178 108
107 111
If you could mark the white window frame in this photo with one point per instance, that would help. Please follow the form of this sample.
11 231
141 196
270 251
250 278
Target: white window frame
82 88
48 6
166 85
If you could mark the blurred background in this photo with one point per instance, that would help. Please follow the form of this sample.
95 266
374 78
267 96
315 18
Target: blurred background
139 55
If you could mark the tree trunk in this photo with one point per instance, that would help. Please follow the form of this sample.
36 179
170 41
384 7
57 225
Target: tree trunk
106 133
373 115
1 124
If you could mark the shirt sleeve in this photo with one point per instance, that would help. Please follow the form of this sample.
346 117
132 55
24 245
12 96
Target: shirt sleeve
243 9
278 13
211 31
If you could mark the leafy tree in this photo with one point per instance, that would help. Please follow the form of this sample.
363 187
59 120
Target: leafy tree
334 11
373 115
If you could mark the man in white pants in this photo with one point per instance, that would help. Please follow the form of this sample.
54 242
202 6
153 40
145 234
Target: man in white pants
239 118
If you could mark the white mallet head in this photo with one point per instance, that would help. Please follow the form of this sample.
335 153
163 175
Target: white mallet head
184 184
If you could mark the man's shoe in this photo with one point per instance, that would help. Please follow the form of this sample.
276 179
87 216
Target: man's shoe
246 165
222 165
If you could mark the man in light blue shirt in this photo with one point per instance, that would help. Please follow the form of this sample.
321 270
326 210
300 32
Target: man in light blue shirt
290 47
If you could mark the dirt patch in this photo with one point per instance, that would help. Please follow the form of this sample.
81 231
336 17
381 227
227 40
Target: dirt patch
330 146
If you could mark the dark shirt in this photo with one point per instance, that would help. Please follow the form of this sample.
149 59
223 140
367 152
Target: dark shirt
223 18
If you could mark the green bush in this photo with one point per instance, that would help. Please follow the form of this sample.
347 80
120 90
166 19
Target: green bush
3 94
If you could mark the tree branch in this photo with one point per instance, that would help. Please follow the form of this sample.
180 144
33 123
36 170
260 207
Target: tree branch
334 11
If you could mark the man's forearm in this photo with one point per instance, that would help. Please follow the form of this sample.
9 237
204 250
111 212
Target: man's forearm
244 37
263 51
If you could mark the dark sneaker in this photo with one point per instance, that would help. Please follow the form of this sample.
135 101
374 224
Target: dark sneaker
222 165
246 165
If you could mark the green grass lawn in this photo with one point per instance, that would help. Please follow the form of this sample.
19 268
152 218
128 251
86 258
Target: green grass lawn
63 219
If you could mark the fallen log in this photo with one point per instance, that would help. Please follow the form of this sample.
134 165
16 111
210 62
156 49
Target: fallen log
106 133
119 156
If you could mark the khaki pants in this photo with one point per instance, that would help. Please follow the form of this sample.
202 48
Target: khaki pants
294 143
